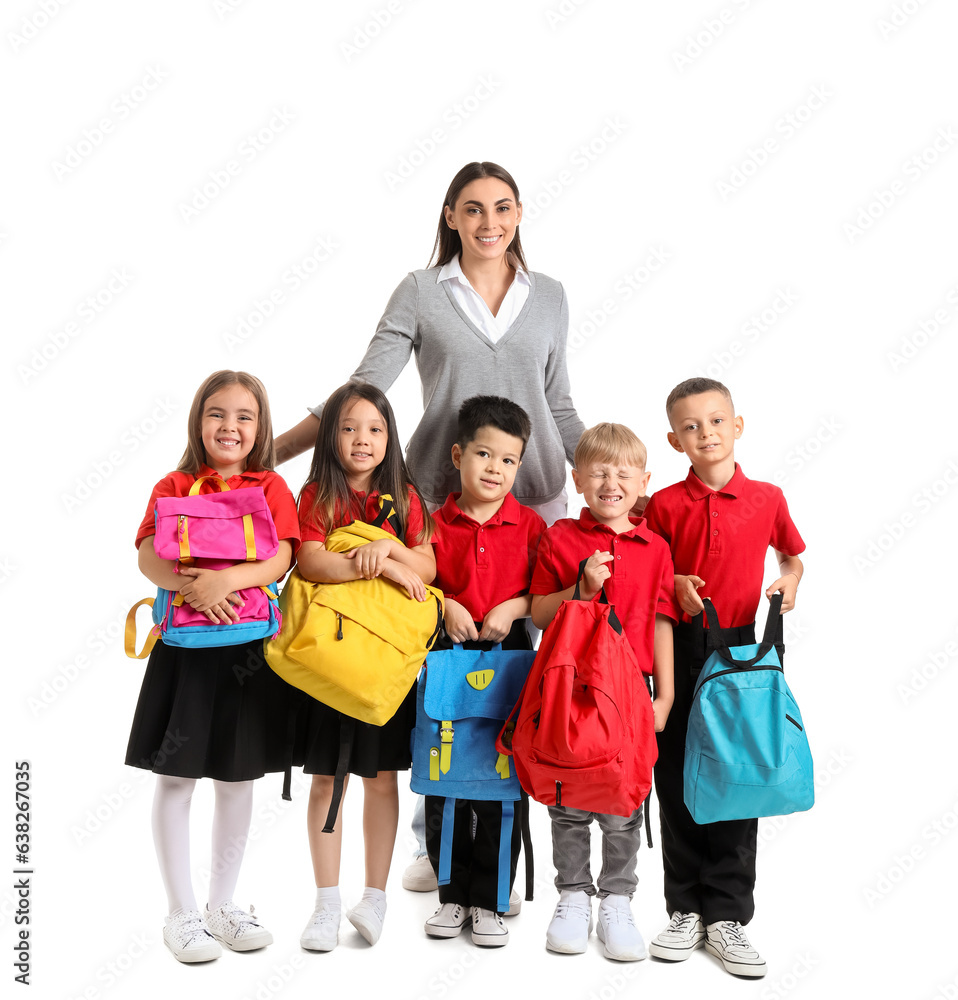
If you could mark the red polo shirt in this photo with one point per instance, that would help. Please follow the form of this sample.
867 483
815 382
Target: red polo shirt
482 565
364 507
723 536
279 499
642 584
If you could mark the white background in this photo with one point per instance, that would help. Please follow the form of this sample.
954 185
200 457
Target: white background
627 145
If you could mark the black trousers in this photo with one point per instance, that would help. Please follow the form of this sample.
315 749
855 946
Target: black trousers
709 869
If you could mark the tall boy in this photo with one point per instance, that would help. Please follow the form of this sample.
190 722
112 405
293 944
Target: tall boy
635 569
485 545
719 526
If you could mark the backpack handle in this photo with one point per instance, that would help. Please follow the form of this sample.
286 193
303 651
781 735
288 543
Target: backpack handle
221 483
387 512
603 598
773 632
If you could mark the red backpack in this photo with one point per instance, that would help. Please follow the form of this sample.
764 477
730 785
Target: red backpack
584 736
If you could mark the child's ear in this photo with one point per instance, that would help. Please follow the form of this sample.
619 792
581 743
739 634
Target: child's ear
739 427
456 451
575 479
674 441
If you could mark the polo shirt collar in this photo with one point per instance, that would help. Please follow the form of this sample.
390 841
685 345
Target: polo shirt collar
205 470
508 513
638 530
699 491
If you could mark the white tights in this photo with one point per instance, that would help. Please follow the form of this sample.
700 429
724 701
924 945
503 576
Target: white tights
232 812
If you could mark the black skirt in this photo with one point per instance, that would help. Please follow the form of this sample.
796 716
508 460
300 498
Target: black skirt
218 712
371 748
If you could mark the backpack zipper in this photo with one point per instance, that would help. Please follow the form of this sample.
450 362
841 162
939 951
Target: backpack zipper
794 723
339 625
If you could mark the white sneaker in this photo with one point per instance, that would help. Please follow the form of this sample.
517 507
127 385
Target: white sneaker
238 930
685 933
419 876
488 930
322 929
617 931
447 921
187 936
515 904
367 917
726 940
568 934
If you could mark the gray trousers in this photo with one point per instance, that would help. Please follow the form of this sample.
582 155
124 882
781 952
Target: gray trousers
571 851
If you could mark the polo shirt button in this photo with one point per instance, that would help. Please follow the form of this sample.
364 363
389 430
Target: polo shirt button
715 531
618 557
715 496
714 513
481 549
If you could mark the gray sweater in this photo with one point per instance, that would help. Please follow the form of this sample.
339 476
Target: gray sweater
456 361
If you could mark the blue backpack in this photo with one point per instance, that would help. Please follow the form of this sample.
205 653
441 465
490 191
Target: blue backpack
746 753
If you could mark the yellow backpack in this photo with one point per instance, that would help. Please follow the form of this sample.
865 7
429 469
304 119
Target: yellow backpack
354 646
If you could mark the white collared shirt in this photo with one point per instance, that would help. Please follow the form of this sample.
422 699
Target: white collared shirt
474 305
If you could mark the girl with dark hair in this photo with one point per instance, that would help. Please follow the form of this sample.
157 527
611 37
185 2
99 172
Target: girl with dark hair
358 459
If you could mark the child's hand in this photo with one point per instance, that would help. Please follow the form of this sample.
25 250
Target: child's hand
596 573
685 593
660 712
458 622
209 590
370 558
496 625
410 581
788 585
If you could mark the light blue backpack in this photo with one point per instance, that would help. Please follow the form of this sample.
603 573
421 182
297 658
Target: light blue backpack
746 753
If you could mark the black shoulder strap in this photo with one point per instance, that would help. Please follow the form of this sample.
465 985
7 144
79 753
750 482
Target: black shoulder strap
387 512
773 632
603 599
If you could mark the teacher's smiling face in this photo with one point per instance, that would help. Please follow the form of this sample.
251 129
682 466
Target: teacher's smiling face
485 216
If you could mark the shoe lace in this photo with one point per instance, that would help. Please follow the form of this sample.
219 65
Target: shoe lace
240 917
321 915
620 915
189 927
734 934
567 908
682 921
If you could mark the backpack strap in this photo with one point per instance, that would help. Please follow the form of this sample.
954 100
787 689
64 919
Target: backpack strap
444 871
129 633
387 512
603 599
504 885
347 728
529 863
773 632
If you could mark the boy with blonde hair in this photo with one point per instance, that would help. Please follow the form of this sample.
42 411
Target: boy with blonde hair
634 568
